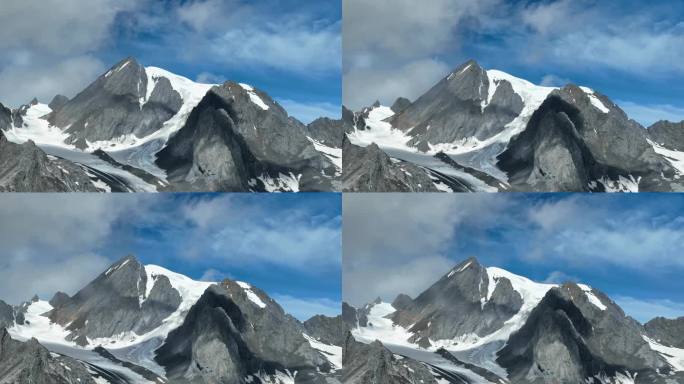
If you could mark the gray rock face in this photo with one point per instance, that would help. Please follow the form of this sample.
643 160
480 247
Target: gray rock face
457 305
116 104
5 118
373 363
347 119
6 315
30 362
26 168
668 332
400 104
58 102
117 302
568 339
226 337
569 145
668 134
59 299
370 169
353 317
453 109
329 330
327 131
228 141
402 301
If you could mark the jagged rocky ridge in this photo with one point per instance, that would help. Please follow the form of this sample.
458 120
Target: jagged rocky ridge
143 323
164 132
493 132
489 325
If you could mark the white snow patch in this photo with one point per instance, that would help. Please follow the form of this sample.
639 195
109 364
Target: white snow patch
101 185
251 295
595 100
37 129
331 352
591 297
622 184
332 153
39 326
676 158
254 97
283 183
674 356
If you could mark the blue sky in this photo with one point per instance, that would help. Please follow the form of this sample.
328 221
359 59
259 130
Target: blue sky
626 245
289 48
629 50
286 244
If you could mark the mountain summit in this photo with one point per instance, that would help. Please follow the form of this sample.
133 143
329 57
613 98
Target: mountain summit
138 323
480 324
140 128
486 130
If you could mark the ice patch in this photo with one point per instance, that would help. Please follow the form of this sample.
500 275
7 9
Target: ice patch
333 154
591 297
595 100
254 97
331 352
251 295
674 356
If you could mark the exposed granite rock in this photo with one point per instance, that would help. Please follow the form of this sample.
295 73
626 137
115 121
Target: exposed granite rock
375 364
30 362
329 330
668 332
369 169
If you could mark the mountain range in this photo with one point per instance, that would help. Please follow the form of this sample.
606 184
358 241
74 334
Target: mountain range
480 324
138 323
139 128
486 130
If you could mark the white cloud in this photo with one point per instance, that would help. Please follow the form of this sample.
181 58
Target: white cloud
22 80
308 112
210 78
551 80
305 308
646 115
58 26
560 277
214 275
290 46
404 239
644 310
362 86
25 274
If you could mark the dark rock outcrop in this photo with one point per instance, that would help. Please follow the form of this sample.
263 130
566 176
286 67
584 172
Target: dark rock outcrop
117 302
26 168
329 330
116 104
373 363
668 134
570 145
369 169
327 131
58 102
226 337
669 332
453 109
30 362
568 339
458 304
228 142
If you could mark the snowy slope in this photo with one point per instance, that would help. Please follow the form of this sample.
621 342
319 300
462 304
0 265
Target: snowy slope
471 348
127 346
127 149
470 151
